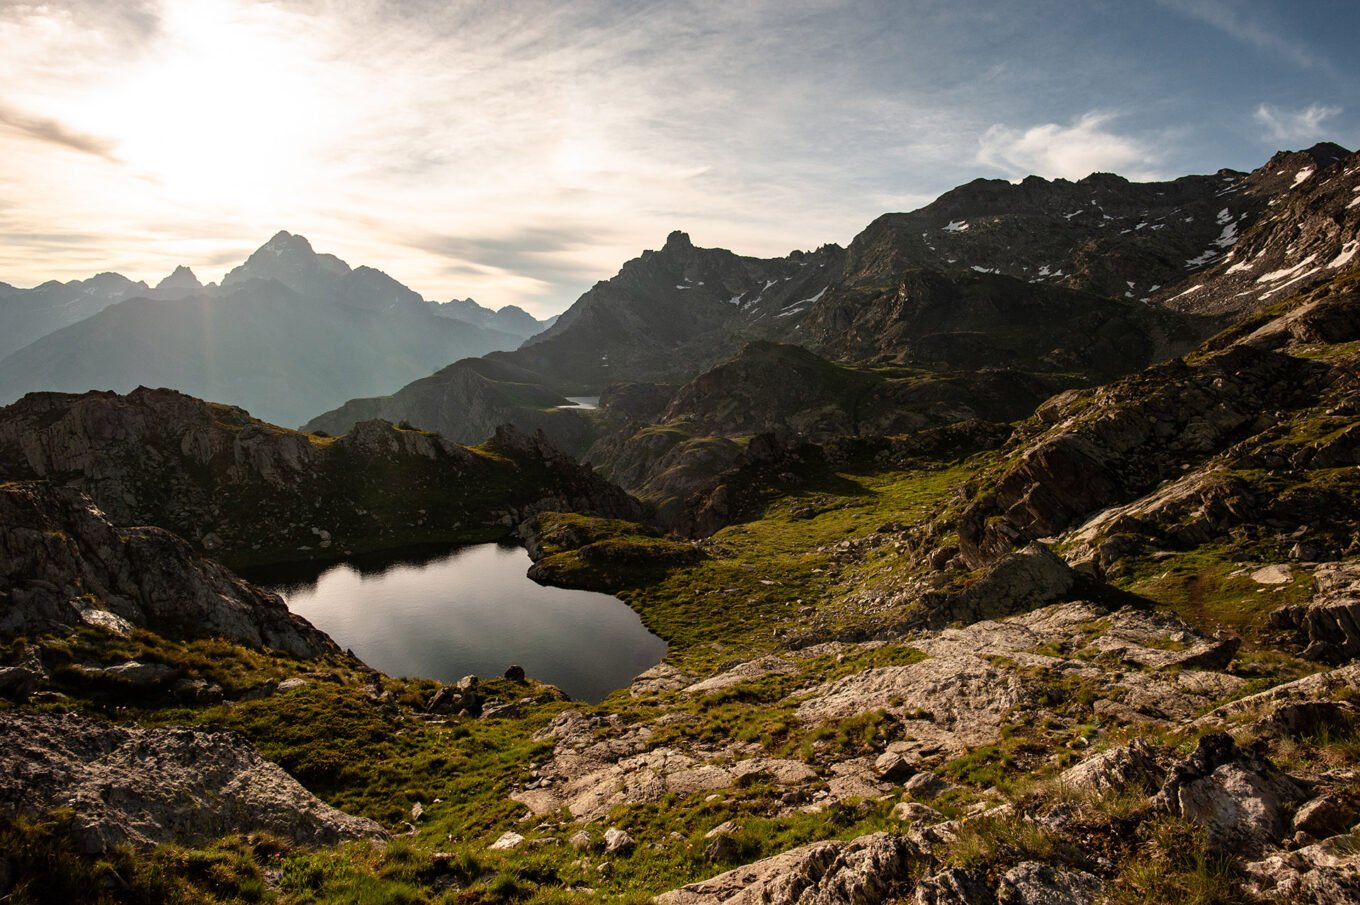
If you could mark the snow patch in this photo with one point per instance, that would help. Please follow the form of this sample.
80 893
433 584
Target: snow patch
1288 271
736 299
1347 252
681 286
1302 175
1223 217
956 226
985 269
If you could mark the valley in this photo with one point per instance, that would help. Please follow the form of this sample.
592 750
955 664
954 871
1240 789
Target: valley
1009 554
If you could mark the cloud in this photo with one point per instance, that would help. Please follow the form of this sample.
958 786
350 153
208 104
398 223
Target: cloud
549 254
53 132
1295 126
1068 152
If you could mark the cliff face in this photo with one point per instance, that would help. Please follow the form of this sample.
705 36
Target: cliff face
63 564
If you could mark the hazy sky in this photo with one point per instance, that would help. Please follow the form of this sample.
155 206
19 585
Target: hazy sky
519 151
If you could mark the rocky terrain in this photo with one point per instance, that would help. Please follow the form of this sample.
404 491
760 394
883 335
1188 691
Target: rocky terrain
1000 587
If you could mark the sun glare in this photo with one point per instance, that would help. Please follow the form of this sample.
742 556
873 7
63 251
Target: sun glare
223 112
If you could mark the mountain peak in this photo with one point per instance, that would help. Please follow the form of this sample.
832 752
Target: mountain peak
181 278
678 241
284 241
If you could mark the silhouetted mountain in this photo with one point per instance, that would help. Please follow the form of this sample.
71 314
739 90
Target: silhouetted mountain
510 319
289 333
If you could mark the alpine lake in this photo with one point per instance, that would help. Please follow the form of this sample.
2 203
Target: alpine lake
444 613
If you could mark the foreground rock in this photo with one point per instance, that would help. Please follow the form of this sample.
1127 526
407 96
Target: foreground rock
63 564
147 786
864 870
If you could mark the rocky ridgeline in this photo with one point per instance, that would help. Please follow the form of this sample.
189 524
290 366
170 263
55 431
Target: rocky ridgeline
1248 438
142 787
234 485
1308 234
63 564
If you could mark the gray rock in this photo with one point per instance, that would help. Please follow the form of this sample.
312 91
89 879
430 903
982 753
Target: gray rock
148 786
1327 873
130 673
62 558
1016 583
1131 767
916 813
508 840
1329 624
617 842
1324 816
867 870
1032 883
954 886
925 785
893 767
580 840
1238 796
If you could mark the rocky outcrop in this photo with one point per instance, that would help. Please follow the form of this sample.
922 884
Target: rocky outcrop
234 485
866 870
1238 796
1329 624
1085 453
62 563
974 677
143 787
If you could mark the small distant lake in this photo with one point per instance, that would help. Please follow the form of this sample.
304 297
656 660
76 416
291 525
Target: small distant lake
581 402
445 613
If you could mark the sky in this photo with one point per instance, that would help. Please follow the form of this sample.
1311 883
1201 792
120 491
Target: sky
519 151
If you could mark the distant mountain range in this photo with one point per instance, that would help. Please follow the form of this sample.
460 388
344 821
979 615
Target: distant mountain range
1058 283
290 332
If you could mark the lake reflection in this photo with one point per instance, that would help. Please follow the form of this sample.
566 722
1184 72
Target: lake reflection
444 614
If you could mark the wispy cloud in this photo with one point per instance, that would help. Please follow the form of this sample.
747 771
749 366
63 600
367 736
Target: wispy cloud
1297 126
50 131
1070 152
1241 22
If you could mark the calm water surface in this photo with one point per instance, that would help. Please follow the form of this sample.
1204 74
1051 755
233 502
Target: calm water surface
444 614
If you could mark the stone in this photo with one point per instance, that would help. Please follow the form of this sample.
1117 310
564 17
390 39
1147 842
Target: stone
916 813
954 886
617 842
515 673
868 869
1238 796
925 785
1033 883
1327 873
417 812
294 683
1324 816
1273 575
580 840
893 767
1132 767
144 787
1329 624
507 841
65 560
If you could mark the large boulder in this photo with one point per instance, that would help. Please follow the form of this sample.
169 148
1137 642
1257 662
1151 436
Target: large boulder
143 787
866 870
